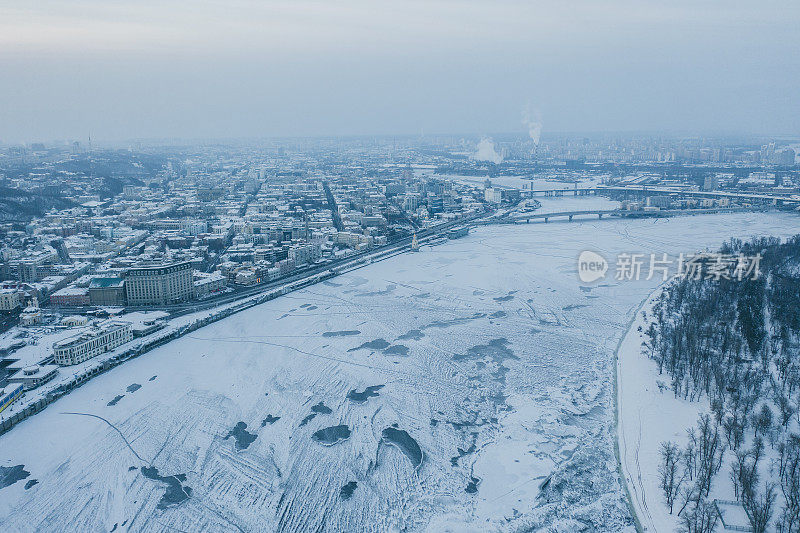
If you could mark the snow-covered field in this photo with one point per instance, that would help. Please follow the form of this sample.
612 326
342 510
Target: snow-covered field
464 387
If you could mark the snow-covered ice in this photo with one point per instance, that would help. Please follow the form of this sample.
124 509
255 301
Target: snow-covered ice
465 387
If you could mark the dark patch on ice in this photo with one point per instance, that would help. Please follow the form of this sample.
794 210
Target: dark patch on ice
113 529
414 335
434 422
388 290
506 298
462 425
330 283
585 289
423 295
472 486
116 399
131 468
478 293
534 331
321 409
31 483
497 349
397 349
153 378
453 322
332 435
269 420
361 397
11 474
303 306
307 419
377 344
243 437
498 314
461 453
347 491
133 387
176 492
574 306
311 308
405 442
343 333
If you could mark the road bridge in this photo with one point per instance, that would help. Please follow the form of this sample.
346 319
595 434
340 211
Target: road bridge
641 190
623 213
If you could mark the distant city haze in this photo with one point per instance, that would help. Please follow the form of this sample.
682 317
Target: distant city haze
120 70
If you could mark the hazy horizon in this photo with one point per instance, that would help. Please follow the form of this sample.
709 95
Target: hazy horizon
122 71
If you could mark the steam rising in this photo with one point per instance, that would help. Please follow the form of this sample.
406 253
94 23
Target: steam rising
532 121
486 152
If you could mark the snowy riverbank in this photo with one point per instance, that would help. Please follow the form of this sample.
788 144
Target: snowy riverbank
647 416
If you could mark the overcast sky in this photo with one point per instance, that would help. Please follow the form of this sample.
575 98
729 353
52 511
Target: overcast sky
120 69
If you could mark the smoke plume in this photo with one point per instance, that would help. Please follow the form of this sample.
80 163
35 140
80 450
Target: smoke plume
532 121
486 152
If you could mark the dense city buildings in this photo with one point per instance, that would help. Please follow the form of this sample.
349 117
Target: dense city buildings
160 226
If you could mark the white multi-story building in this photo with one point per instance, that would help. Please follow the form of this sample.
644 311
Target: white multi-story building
493 196
159 285
9 299
98 339
305 253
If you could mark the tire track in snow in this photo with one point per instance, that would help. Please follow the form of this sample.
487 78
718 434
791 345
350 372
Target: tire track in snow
115 428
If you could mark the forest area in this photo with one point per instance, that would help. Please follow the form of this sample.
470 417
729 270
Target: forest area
734 343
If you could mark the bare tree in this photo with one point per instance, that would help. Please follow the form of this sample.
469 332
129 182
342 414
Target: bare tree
789 470
759 508
670 479
701 518
709 453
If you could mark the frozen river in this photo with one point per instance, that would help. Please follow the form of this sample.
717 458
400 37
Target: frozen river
464 387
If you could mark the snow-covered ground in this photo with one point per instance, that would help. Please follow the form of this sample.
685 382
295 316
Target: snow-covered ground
648 416
465 387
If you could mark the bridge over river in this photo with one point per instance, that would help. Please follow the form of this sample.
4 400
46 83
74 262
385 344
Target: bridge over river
622 213
640 190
